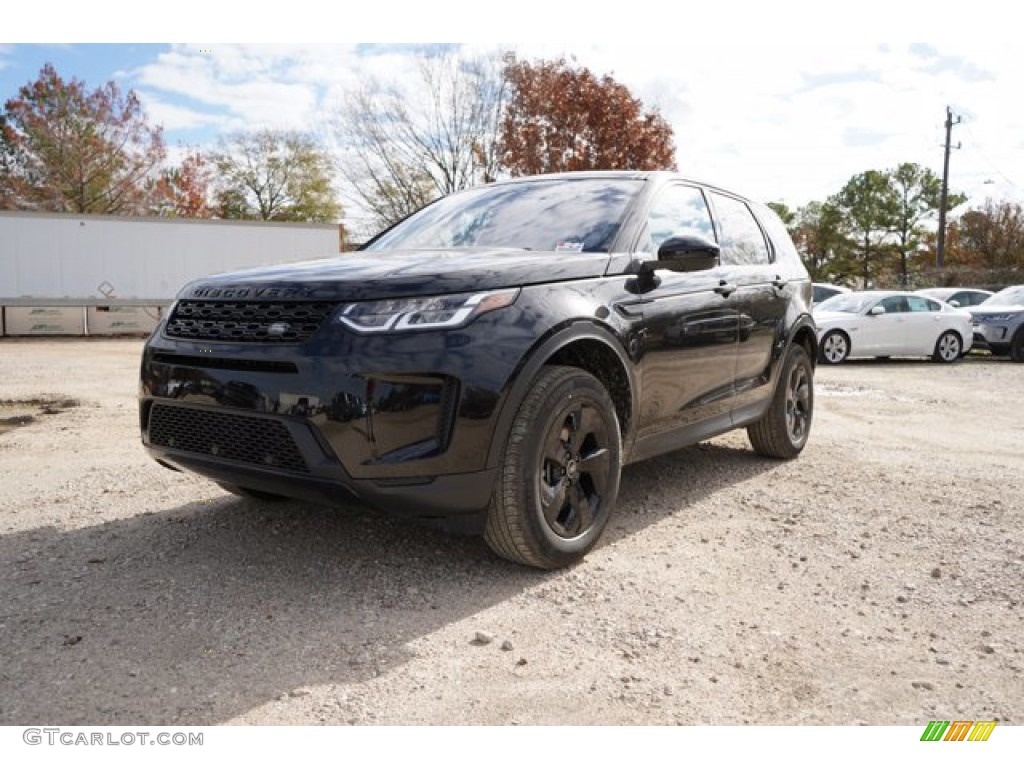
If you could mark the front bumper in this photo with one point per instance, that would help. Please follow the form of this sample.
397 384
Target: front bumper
404 423
988 334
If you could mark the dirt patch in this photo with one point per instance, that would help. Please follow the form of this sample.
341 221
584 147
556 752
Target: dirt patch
20 413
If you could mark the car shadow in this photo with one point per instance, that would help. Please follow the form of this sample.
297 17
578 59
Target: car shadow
199 613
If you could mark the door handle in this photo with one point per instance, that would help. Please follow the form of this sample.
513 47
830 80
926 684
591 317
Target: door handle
725 288
778 282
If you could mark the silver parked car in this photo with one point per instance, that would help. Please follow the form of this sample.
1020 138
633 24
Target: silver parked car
999 323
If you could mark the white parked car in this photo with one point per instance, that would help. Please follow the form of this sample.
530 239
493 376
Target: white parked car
957 297
891 324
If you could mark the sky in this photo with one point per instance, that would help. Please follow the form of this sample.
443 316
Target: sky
782 103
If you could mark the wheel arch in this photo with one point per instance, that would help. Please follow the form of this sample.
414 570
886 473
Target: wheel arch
591 348
806 336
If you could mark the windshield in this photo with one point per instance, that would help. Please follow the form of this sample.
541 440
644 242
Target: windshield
1012 295
846 302
568 215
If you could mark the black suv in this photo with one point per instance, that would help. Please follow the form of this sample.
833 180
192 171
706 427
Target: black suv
498 355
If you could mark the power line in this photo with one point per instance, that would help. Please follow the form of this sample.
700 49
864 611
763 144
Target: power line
976 146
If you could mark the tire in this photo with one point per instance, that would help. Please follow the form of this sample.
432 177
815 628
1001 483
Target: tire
835 347
998 350
251 493
782 432
560 474
948 348
1017 346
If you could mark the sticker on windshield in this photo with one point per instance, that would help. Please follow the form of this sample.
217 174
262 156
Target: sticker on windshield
568 246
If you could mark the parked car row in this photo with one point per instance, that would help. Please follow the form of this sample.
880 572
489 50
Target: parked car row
927 323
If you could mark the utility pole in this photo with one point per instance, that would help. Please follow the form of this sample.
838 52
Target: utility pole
940 248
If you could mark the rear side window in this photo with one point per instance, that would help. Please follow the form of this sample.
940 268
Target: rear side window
781 243
895 304
921 304
740 236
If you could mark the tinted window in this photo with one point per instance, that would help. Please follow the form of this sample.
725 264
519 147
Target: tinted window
968 298
778 235
895 304
822 292
739 235
921 304
551 215
678 210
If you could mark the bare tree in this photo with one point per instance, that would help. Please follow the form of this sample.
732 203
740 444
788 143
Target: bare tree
274 176
405 145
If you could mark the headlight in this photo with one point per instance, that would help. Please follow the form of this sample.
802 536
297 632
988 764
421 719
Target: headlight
993 318
429 312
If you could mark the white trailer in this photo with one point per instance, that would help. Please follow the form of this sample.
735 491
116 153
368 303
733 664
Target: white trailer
53 260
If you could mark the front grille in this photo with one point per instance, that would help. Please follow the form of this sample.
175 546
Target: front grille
247 439
293 321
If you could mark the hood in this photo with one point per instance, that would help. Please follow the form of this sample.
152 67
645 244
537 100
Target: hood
996 309
390 274
828 318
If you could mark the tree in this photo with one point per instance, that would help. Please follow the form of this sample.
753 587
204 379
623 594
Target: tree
918 191
819 235
185 190
67 149
563 118
407 144
991 236
870 209
274 176
786 214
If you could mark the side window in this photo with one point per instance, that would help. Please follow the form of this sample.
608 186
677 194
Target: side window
740 236
678 210
921 304
895 304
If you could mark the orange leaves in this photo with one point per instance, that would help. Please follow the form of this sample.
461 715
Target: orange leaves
563 118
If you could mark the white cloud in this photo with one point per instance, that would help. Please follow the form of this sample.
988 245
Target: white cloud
779 121
175 118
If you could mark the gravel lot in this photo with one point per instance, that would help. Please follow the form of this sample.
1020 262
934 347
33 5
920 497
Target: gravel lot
876 579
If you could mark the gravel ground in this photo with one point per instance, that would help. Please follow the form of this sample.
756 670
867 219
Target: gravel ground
876 579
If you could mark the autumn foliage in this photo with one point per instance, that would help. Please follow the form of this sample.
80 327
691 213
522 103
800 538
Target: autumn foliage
68 149
185 190
564 118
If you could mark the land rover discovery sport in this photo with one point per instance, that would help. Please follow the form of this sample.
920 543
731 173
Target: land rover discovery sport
500 355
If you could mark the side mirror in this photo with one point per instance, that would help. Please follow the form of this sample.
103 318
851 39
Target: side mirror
878 309
688 253
954 303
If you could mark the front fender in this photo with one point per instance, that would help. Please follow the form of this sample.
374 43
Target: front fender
542 353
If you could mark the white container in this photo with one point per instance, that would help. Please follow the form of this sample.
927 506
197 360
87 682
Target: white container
121 321
44 321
